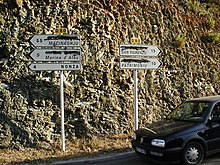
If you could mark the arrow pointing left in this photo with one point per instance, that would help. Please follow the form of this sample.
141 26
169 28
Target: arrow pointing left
54 66
56 55
54 40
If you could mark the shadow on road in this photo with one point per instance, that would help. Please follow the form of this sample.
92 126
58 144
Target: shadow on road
212 160
120 158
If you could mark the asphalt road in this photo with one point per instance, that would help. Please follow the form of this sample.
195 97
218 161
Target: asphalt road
129 158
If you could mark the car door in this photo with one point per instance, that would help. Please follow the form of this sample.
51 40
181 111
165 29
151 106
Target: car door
212 133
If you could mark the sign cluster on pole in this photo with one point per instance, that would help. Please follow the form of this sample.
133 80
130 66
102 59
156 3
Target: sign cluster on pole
139 57
136 56
57 52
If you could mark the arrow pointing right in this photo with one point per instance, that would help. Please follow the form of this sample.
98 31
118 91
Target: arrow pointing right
140 63
139 50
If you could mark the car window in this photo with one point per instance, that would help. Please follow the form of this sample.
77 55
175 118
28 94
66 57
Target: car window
190 110
216 112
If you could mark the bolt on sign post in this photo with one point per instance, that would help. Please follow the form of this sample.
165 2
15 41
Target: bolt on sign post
136 56
56 52
61 31
135 40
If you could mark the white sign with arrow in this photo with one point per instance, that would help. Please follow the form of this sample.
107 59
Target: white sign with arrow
139 63
55 40
54 66
56 55
139 50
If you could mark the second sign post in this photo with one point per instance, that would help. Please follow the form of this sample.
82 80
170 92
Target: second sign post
136 56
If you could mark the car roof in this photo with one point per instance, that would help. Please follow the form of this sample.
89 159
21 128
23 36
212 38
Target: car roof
207 98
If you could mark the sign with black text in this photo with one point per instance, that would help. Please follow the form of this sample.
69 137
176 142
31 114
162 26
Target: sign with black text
55 40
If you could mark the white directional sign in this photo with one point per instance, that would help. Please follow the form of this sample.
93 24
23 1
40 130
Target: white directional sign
139 50
54 66
56 55
55 40
139 63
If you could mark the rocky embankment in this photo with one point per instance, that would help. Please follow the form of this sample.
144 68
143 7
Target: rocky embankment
99 98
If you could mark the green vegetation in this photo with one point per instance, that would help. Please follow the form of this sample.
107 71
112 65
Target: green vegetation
200 7
213 1
210 38
180 41
211 23
194 5
2 21
214 37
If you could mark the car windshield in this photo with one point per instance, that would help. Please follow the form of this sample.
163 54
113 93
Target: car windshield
189 111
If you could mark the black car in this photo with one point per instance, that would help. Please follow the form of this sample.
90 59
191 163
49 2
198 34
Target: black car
186 135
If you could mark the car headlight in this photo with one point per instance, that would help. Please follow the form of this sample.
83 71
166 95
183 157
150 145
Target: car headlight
158 143
134 136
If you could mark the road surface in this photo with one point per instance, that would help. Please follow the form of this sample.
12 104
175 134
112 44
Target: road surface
129 158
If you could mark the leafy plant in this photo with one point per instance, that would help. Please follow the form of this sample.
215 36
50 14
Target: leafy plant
213 1
194 5
2 22
212 37
180 40
211 23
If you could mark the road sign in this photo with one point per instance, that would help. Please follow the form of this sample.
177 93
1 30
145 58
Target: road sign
54 66
55 40
139 50
56 55
139 63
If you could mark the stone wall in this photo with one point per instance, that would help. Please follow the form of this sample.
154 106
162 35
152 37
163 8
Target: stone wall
99 98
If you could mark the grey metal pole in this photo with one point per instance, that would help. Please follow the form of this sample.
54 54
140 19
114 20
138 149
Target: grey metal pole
62 110
135 100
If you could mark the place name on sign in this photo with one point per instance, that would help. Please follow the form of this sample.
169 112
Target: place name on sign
56 55
53 40
75 52
63 43
135 63
62 58
54 66
69 66
139 50
134 52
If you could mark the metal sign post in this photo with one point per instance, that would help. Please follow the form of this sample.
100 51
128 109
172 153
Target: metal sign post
135 100
62 110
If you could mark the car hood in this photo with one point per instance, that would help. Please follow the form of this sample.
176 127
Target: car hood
164 127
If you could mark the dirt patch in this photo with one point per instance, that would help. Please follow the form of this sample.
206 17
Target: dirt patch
78 148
